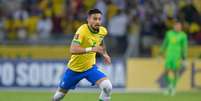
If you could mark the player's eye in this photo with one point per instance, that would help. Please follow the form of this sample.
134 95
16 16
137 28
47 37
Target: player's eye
95 18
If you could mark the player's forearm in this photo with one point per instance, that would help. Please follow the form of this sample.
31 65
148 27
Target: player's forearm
164 45
185 48
104 48
185 52
77 50
104 51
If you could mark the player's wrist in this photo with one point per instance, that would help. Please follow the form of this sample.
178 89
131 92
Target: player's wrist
105 54
88 49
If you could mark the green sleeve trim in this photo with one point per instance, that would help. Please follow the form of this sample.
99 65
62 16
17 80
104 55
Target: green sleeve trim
76 41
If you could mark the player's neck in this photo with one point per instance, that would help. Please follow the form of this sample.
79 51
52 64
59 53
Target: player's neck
92 29
177 30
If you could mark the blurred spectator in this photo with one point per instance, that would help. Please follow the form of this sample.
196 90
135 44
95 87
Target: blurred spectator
197 38
170 9
197 3
44 4
194 28
118 31
147 36
58 7
67 25
20 28
20 16
9 28
190 13
32 27
133 37
11 5
101 5
74 8
158 26
2 32
44 27
111 10
142 12
120 3
20 13
89 4
57 30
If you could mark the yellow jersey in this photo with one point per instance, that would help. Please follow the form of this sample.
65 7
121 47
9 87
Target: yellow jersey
86 38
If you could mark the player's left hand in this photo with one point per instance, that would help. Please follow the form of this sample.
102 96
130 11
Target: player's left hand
107 59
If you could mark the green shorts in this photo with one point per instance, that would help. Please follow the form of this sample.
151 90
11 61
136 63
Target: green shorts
172 63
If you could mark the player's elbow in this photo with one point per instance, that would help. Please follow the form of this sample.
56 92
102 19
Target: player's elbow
72 50
76 49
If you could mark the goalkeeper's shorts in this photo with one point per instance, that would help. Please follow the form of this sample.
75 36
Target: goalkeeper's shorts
172 63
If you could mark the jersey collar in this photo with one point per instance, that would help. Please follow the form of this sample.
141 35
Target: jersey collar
92 30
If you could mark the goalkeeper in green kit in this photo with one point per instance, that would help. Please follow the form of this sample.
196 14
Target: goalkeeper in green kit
175 49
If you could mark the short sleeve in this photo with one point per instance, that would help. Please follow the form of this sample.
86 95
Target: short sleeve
78 37
104 31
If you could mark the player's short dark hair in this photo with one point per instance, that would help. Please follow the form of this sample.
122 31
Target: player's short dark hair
94 11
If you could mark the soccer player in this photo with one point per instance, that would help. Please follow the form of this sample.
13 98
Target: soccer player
175 48
88 41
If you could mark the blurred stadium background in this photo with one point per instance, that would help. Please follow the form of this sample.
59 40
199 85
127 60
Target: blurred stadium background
35 36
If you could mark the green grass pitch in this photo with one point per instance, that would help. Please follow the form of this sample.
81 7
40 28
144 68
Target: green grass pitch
74 96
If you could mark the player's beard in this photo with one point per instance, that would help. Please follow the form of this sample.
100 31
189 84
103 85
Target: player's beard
96 27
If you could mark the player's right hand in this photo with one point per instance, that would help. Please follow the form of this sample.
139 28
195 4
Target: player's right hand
98 49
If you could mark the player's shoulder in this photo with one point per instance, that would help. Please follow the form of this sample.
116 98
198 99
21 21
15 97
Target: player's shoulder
103 30
183 34
169 32
82 28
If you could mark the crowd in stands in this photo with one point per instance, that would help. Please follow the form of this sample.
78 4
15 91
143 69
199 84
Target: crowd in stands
135 25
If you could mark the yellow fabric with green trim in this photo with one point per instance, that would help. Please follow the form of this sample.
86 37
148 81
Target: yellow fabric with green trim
86 38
